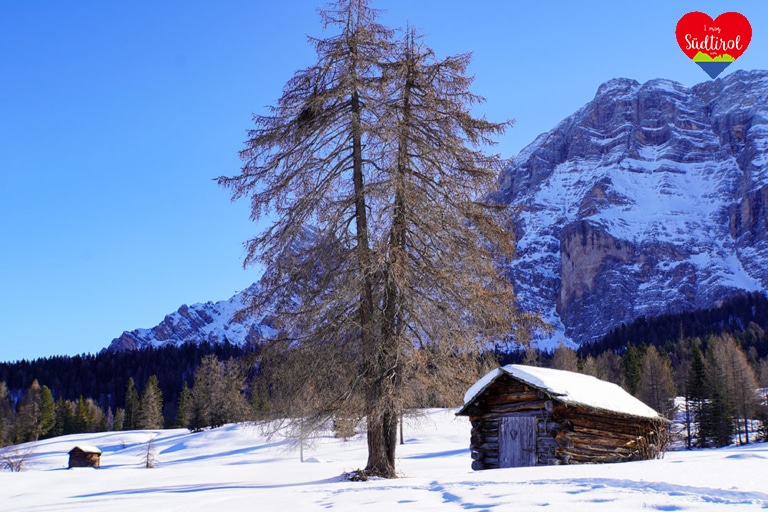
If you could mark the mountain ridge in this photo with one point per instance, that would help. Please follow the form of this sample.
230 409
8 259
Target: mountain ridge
213 322
650 199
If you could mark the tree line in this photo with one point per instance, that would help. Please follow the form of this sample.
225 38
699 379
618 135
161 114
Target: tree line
219 394
103 376
715 377
744 316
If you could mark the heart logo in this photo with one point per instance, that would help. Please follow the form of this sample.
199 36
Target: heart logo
713 44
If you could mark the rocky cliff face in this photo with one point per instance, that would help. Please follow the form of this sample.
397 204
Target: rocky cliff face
652 198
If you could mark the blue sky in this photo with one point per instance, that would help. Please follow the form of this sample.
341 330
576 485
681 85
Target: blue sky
115 117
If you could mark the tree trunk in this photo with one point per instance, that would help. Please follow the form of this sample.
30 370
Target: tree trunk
390 435
382 411
383 423
380 462
382 442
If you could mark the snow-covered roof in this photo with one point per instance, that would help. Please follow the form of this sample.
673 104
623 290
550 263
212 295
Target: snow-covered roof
86 448
569 388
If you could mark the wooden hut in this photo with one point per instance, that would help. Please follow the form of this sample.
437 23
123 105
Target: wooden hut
84 457
528 416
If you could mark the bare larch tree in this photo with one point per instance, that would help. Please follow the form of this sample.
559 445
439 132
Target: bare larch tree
385 256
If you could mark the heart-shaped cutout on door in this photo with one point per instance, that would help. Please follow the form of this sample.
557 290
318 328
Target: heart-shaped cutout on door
713 44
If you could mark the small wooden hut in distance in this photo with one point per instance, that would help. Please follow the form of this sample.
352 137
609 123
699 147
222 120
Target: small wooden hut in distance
528 416
84 457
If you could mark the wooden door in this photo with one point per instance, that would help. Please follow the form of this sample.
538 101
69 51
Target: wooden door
517 441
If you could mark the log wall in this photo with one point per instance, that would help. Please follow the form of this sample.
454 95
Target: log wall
564 435
80 459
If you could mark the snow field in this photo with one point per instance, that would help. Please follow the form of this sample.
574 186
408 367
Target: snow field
236 468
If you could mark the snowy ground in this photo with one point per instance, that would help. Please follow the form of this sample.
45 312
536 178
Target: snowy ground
235 468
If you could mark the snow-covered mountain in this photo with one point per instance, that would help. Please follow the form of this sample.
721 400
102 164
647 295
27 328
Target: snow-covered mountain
214 322
650 199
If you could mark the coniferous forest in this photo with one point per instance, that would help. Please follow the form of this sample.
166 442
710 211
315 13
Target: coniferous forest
713 359
92 392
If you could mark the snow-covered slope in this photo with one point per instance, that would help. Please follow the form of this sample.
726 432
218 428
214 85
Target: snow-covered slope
213 322
235 468
652 198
